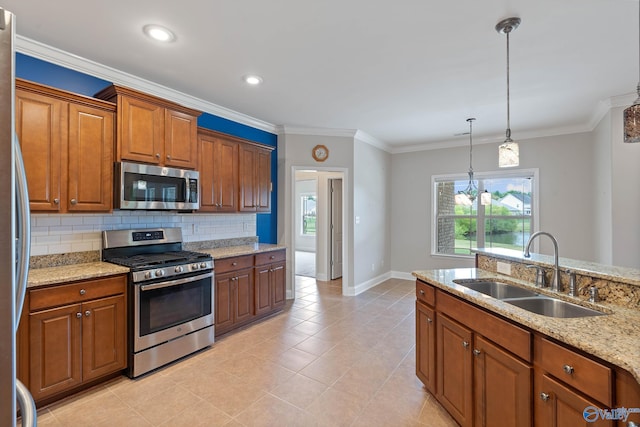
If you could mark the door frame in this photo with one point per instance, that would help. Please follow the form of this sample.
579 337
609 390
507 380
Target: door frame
346 229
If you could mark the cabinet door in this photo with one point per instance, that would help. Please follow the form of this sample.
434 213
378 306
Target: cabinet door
103 337
207 168
224 310
262 289
141 131
455 379
225 163
263 181
426 346
248 163
278 284
558 405
181 141
627 395
243 295
502 386
41 125
90 161
55 350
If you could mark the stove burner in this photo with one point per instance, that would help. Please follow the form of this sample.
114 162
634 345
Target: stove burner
150 260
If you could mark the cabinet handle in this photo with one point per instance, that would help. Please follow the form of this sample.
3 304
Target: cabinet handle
465 344
234 263
568 369
87 313
421 291
476 352
56 201
429 320
78 315
74 201
157 155
168 157
273 257
82 291
544 396
632 424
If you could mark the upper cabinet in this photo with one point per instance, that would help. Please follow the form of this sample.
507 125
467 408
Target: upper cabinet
67 146
153 130
255 178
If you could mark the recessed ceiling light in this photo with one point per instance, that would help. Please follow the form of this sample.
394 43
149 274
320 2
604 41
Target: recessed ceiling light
252 80
159 33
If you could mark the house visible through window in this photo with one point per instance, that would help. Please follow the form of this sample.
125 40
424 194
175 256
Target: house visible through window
308 204
506 223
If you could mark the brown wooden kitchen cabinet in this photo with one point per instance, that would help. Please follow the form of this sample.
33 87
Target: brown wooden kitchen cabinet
270 281
153 130
218 167
627 395
233 293
426 336
67 145
76 335
255 178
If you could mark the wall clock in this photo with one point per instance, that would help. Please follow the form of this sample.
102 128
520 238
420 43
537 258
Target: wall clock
320 153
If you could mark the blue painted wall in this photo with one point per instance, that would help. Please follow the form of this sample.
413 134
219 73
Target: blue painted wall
36 70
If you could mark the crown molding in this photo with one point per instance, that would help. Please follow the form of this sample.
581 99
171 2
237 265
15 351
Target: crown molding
622 100
308 131
372 140
65 59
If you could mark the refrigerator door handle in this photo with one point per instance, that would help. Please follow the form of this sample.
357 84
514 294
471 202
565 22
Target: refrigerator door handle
27 405
23 219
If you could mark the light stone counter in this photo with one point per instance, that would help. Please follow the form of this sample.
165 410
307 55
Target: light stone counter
614 338
69 273
231 251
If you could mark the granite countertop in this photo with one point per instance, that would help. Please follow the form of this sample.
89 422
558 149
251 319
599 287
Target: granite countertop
73 272
59 274
614 338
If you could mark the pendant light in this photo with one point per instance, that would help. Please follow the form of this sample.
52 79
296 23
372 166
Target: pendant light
468 195
632 113
508 152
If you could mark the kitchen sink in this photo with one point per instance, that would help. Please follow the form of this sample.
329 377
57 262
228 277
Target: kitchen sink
495 289
553 307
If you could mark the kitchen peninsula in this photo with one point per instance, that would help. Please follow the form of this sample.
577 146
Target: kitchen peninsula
486 359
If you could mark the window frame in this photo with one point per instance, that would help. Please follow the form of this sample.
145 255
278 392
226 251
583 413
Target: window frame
496 174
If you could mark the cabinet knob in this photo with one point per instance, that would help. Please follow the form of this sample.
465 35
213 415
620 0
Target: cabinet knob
421 291
465 344
56 201
273 257
234 263
87 313
168 157
74 201
429 320
78 315
157 155
632 424
476 352
544 396
82 291
568 369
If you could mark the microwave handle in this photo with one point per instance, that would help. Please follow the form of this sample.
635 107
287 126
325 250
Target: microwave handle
188 190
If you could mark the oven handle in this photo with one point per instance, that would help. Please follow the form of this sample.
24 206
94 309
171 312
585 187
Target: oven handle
175 282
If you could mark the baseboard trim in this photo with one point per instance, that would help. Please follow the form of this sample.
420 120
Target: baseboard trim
358 289
402 275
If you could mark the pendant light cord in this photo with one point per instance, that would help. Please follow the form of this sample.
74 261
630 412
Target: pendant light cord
508 30
470 120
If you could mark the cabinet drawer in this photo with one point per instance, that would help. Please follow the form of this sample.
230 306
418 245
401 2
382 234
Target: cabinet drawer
269 257
586 375
425 293
234 263
76 292
507 335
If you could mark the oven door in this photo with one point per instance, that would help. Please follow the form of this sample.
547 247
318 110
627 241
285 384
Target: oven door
170 309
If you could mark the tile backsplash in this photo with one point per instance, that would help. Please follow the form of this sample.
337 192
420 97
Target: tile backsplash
65 233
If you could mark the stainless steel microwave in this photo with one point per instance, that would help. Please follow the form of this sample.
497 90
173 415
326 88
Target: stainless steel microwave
151 187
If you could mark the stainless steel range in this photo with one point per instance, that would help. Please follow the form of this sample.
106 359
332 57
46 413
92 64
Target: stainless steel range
170 297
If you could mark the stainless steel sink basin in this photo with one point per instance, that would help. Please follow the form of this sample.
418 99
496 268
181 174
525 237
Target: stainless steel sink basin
553 307
495 289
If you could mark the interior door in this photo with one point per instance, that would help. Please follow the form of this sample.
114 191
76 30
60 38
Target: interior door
335 186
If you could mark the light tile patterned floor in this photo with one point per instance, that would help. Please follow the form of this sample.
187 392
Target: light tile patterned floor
327 360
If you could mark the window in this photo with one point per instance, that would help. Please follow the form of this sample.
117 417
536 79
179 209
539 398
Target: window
308 204
506 223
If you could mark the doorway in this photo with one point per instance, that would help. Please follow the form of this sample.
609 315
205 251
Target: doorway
318 224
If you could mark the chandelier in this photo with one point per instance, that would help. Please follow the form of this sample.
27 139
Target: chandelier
508 152
468 195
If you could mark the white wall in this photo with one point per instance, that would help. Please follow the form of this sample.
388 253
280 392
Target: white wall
372 210
566 184
625 201
602 191
64 233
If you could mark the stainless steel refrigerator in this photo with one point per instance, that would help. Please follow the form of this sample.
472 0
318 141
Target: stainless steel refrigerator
15 236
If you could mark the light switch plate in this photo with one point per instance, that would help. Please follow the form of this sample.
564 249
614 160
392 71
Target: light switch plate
504 268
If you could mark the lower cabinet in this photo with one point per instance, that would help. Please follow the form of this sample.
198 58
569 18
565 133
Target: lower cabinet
247 288
75 334
493 372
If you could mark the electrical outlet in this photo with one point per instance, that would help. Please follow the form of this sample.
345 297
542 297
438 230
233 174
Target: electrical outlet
246 226
504 268
373 267
196 229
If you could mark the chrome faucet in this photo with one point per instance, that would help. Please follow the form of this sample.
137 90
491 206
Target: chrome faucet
555 282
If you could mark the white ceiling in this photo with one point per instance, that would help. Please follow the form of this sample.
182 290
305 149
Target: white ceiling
406 72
